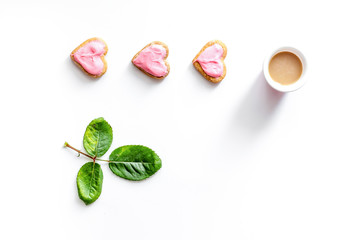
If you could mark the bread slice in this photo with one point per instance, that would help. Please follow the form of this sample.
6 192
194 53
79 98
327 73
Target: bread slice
165 59
199 68
102 56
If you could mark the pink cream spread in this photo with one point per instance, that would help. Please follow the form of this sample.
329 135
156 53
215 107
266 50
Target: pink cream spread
210 60
151 60
89 57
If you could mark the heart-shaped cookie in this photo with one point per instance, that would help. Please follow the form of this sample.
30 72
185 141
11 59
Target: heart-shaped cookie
90 57
210 61
152 60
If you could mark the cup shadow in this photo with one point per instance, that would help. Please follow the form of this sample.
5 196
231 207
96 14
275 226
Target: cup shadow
258 106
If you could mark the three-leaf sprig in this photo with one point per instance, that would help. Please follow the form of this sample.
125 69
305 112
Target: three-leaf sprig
132 162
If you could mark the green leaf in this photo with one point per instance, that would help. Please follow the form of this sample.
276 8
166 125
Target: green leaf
98 137
134 162
89 182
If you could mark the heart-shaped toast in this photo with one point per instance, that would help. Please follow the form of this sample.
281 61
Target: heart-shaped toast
90 57
210 61
152 60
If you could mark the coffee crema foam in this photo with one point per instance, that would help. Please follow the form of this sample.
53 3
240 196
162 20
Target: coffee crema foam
285 68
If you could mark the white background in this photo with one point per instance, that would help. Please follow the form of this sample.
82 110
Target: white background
240 161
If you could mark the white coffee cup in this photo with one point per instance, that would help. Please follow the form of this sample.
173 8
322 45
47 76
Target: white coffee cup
285 88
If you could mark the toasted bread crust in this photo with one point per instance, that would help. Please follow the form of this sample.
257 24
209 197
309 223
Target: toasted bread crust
199 68
166 62
102 57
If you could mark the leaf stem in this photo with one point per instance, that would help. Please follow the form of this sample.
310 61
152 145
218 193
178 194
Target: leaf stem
103 160
87 155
